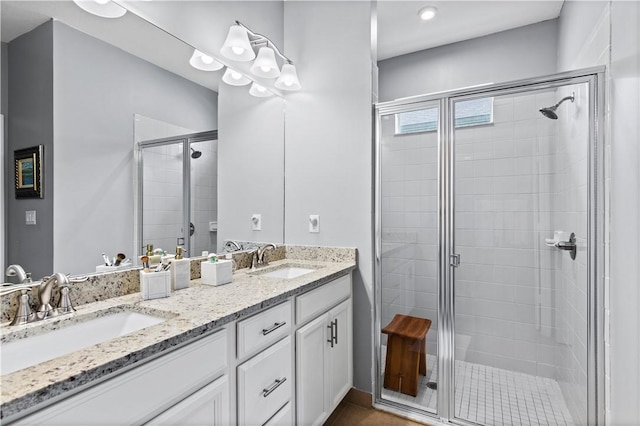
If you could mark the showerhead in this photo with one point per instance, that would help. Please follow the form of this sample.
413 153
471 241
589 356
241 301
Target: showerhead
550 112
195 154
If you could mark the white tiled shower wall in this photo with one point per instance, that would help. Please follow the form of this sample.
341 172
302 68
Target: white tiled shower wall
505 286
204 196
162 196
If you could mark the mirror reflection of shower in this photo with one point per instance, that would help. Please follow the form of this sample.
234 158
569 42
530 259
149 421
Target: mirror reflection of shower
195 154
550 112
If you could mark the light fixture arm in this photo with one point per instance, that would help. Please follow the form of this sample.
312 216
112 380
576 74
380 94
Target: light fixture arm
259 38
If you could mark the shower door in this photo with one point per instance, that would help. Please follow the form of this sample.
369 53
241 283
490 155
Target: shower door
408 197
521 304
489 223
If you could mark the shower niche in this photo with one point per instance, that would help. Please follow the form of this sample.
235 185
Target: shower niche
470 186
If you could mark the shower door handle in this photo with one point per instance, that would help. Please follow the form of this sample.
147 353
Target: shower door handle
454 260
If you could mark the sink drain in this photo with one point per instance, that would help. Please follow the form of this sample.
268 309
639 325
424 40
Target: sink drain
432 385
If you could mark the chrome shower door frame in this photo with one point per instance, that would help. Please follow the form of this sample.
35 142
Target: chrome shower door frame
594 78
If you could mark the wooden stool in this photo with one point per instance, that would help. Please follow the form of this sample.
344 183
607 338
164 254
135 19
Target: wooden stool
405 353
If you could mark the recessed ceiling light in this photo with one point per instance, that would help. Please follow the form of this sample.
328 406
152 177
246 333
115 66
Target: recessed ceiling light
427 13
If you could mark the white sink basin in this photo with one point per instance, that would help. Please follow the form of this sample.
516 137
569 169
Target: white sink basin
288 272
23 353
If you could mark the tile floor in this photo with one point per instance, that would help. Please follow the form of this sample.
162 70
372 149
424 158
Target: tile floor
493 396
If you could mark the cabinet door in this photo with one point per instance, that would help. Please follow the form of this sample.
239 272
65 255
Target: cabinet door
209 406
312 363
340 355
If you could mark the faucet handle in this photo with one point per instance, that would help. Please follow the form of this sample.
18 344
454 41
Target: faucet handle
64 305
24 313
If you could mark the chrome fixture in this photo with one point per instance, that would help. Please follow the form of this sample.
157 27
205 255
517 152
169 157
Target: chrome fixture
262 251
195 154
24 313
234 246
258 257
45 292
18 271
550 112
569 246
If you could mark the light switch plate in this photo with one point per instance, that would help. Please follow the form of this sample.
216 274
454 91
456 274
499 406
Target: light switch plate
30 217
314 223
256 222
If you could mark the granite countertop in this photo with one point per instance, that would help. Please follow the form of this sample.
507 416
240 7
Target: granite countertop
188 313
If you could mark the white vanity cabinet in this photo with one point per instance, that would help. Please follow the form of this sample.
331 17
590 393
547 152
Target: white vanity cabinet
324 346
159 386
209 406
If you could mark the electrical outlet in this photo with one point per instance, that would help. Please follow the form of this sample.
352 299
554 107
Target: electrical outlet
256 222
314 223
30 217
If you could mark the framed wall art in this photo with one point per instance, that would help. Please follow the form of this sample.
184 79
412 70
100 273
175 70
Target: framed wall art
28 172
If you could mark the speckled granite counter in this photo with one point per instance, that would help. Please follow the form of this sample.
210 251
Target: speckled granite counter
189 313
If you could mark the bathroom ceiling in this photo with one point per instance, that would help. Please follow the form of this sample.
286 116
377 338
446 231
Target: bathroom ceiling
400 31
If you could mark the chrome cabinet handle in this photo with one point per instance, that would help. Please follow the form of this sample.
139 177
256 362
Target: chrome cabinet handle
273 328
336 326
274 386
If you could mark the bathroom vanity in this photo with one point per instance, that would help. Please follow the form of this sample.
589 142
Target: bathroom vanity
261 350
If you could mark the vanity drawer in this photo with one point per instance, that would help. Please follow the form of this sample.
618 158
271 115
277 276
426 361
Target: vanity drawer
263 329
315 302
284 417
265 384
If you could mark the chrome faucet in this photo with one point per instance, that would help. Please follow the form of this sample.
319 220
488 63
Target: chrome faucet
234 246
45 293
258 256
24 313
262 251
18 271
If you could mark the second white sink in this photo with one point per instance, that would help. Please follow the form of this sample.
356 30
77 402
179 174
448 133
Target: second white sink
288 272
28 351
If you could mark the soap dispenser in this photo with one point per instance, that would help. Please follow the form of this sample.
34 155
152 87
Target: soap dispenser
180 270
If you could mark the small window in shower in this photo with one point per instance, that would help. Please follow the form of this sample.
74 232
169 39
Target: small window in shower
474 112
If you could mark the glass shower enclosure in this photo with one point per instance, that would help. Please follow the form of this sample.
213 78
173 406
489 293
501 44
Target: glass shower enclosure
489 225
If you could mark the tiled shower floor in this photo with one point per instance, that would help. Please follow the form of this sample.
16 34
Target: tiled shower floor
493 396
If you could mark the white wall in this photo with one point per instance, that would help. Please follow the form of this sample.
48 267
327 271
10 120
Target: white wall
509 55
624 184
251 167
328 144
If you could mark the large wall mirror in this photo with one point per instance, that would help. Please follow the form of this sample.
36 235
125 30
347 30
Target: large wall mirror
76 83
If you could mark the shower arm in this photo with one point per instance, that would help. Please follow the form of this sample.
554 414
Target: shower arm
566 98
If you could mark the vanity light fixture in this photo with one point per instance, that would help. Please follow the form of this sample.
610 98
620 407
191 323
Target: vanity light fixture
288 79
239 46
259 91
204 62
102 8
265 64
235 78
427 13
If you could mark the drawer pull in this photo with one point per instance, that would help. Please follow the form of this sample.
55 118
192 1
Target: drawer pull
274 386
273 328
330 327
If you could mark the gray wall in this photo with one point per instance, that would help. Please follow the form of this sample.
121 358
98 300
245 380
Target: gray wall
251 175
97 91
328 145
31 123
523 52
